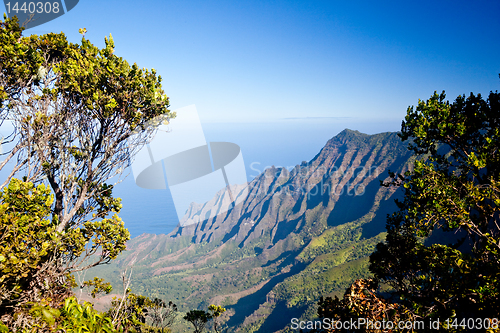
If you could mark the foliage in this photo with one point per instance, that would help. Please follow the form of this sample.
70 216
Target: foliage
161 314
83 318
28 248
198 318
215 312
453 188
361 301
79 114
139 312
70 317
129 312
99 287
78 121
18 63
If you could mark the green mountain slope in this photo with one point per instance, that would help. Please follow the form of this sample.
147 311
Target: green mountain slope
298 235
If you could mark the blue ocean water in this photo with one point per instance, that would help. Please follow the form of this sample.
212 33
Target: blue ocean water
284 143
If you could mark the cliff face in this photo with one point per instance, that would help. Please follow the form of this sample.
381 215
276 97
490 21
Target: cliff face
298 235
342 180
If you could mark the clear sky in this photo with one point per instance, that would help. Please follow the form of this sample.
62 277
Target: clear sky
254 61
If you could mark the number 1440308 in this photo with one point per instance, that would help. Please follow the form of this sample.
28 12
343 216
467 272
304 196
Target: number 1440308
472 323
32 7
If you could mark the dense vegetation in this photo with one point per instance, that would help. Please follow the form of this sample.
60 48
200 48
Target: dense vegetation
452 190
78 114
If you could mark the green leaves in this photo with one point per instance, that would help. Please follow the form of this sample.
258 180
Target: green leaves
109 234
99 286
137 312
108 86
83 318
442 251
27 234
198 318
80 114
454 187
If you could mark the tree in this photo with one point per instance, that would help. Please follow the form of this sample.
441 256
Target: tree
138 312
18 70
198 318
215 312
79 115
130 311
161 314
453 189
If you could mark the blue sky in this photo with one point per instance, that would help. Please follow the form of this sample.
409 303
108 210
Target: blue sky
260 61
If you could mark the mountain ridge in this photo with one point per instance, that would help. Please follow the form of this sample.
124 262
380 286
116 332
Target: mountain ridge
347 137
328 212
